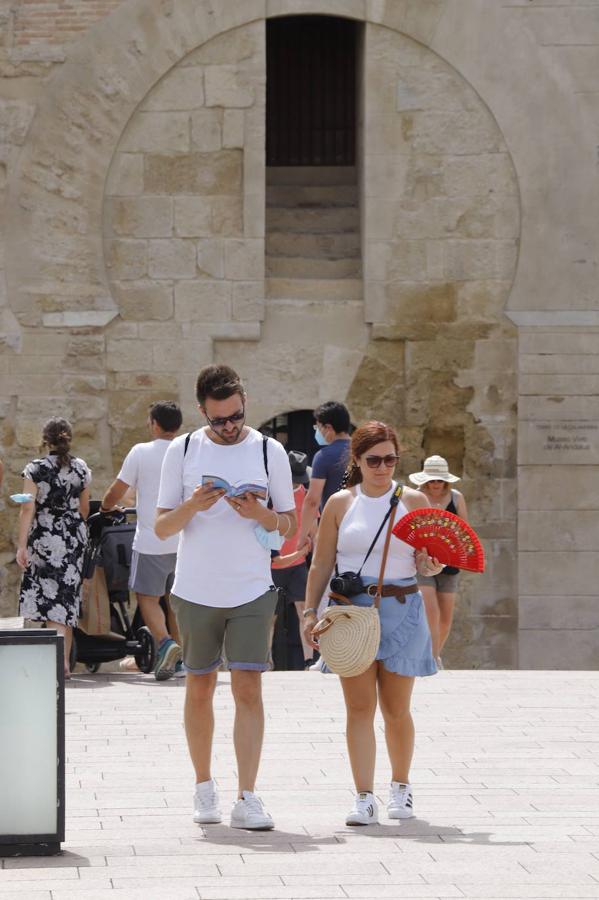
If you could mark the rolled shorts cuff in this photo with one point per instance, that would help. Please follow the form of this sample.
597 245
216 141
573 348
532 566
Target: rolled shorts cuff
206 671
249 666
444 582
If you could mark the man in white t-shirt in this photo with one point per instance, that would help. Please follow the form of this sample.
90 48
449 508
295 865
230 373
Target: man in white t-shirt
152 560
223 593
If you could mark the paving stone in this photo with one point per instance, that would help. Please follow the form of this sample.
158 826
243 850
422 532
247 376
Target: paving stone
506 793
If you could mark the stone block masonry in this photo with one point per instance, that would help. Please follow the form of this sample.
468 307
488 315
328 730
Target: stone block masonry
55 21
132 251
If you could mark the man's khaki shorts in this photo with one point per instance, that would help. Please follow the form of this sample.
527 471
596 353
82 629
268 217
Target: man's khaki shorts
244 631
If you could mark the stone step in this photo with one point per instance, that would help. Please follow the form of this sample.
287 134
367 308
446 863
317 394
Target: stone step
311 175
314 288
303 267
311 195
339 219
318 246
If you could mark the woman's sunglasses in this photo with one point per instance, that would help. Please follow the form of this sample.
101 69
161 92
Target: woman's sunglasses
374 462
221 421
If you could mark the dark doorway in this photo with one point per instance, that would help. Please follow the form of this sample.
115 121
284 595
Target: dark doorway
311 91
295 430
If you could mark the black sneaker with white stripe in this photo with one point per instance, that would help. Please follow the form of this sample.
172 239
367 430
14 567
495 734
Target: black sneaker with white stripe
401 801
365 811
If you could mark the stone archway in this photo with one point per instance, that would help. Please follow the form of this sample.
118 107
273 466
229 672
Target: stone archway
152 272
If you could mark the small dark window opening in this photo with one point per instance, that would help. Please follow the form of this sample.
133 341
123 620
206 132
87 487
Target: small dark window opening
311 91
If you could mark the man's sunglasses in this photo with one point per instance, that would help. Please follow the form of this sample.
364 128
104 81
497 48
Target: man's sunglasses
389 461
221 421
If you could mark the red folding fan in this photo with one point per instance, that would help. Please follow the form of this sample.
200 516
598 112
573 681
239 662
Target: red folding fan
444 536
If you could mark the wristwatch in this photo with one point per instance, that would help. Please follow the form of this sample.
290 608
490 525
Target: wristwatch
307 612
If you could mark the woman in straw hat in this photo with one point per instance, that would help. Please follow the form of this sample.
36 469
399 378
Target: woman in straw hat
439 591
350 521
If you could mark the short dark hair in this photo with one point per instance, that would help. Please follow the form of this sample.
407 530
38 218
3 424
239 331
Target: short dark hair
334 414
218 383
166 414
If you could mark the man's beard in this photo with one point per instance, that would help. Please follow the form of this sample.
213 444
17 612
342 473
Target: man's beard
233 438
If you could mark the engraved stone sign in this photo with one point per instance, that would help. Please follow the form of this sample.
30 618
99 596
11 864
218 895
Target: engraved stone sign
572 441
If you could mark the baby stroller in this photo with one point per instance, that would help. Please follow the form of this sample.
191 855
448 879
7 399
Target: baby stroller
110 542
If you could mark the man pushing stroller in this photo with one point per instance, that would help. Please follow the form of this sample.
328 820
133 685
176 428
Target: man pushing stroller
153 560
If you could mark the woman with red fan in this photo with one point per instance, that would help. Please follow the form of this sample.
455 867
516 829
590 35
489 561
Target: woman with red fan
351 519
439 591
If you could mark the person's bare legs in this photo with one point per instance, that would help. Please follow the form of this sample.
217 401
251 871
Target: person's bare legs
431 605
446 603
307 649
153 616
248 728
199 721
360 702
171 623
395 693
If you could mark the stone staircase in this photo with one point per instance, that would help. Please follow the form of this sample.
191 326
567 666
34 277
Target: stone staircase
313 234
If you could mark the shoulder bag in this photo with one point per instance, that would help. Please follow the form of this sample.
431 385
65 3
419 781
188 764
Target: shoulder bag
349 635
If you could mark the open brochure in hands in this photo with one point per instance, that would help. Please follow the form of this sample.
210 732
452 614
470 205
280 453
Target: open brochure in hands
235 490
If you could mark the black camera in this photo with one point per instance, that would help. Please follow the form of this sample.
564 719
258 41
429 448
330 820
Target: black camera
348 584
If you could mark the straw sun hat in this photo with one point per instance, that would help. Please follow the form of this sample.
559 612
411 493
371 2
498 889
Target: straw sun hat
435 468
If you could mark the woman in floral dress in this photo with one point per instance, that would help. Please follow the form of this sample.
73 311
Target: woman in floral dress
53 534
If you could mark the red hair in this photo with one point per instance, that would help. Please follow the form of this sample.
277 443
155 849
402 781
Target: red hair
364 439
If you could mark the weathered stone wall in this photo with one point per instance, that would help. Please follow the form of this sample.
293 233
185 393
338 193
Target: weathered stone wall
184 224
182 260
53 22
132 228
440 235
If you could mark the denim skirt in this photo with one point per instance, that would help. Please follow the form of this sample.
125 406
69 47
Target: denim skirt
405 647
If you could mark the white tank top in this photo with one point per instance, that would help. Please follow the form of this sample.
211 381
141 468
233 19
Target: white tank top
356 531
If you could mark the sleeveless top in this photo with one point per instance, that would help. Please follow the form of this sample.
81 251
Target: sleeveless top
452 508
356 531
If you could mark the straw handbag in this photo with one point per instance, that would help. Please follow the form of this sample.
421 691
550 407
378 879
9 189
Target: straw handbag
349 636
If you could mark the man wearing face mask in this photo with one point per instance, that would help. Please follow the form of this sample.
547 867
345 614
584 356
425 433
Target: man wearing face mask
331 432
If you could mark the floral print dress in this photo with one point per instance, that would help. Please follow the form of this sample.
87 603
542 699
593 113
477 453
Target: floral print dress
51 585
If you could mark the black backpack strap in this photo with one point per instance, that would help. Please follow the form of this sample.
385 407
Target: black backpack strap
185 448
265 457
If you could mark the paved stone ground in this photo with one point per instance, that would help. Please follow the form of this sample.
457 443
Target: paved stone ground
506 780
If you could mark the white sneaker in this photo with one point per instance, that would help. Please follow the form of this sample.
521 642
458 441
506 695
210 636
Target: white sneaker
249 812
206 808
439 662
401 801
317 666
365 811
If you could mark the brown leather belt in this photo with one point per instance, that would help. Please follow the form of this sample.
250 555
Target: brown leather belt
393 590
388 590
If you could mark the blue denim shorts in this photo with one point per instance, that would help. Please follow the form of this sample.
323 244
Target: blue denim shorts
406 647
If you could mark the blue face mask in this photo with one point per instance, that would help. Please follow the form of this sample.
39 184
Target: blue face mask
270 540
318 437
